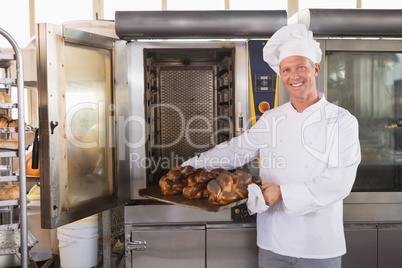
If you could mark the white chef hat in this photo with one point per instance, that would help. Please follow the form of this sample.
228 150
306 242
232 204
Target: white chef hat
291 40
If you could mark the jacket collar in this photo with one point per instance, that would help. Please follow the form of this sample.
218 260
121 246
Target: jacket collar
313 107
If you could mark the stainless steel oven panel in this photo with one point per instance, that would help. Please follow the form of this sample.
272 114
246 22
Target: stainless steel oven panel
350 22
166 246
198 24
360 45
122 111
137 136
77 148
231 245
376 213
154 214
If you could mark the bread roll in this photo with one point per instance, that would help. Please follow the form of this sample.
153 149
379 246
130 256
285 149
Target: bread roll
195 190
171 185
4 97
229 187
4 119
12 123
9 144
9 192
175 180
197 184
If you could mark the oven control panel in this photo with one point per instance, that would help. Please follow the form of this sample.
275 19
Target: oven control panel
264 81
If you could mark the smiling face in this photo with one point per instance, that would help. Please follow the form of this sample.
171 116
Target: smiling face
298 77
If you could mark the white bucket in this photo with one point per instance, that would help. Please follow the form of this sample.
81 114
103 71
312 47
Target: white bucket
78 243
43 249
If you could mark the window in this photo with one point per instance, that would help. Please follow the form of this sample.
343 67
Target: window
258 5
111 6
384 4
303 4
15 21
196 5
58 12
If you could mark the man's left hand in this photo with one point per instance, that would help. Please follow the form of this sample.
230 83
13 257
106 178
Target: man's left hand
272 193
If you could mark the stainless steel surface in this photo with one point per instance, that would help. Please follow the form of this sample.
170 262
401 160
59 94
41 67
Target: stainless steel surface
374 198
190 91
198 24
154 214
166 246
361 245
370 212
138 245
107 238
122 112
88 39
11 241
352 22
389 246
77 133
231 246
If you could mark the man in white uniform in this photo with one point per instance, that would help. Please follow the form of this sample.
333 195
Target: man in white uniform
308 153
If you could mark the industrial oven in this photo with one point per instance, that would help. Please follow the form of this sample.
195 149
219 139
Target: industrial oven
196 95
117 113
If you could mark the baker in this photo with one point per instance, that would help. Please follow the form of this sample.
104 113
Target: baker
316 147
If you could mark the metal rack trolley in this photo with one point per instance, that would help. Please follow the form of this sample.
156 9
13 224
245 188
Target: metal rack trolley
14 232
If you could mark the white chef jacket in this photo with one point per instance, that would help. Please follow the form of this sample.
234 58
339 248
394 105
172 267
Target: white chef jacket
313 156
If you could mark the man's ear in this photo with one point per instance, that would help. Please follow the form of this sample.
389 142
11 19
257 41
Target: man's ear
317 68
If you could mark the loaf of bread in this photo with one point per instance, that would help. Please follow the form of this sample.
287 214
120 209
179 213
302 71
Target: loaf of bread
9 192
4 120
175 180
194 189
230 187
12 123
4 97
197 184
9 144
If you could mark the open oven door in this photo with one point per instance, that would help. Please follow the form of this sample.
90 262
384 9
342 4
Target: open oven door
79 169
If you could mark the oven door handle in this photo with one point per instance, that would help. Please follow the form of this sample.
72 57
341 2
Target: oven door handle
138 245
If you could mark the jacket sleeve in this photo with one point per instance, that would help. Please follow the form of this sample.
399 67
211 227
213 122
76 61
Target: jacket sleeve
236 152
335 183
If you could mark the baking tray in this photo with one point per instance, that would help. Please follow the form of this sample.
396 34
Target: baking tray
154 192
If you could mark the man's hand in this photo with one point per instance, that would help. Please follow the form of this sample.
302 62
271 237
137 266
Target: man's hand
272 193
